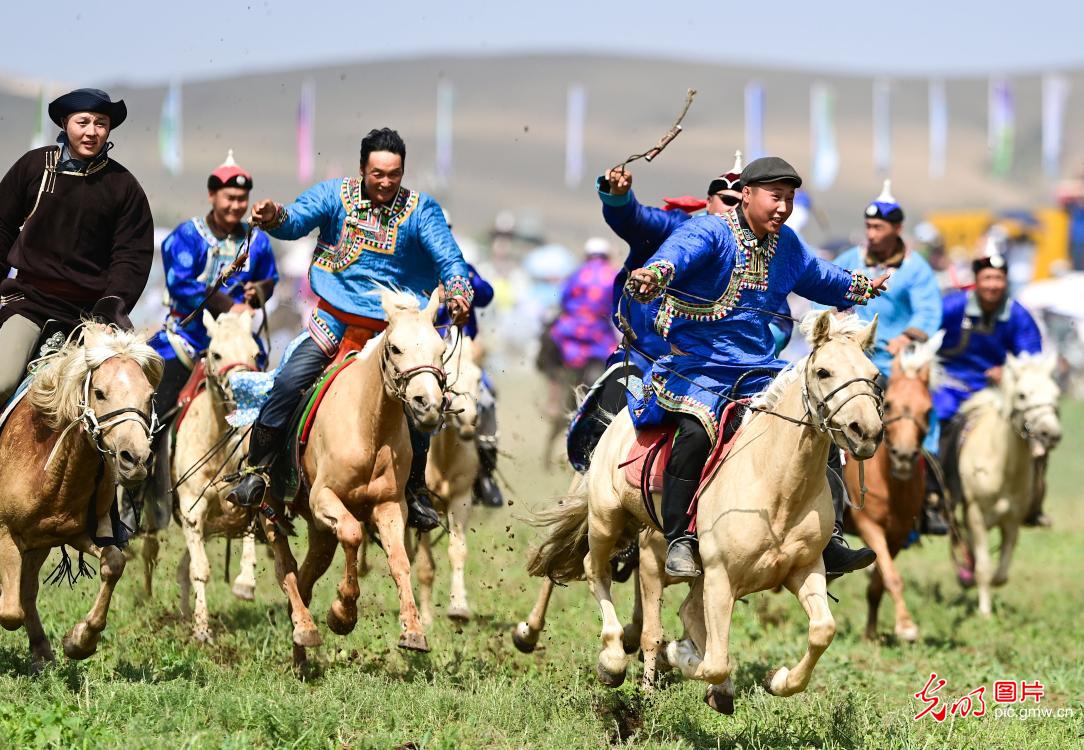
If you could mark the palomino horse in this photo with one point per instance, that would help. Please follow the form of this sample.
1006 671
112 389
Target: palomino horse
1006 425
450 474
356 465
895 486
763 519
206 449
83 426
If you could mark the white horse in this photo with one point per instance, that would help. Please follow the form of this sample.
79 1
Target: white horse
207 449
450 474
763 520
1006 426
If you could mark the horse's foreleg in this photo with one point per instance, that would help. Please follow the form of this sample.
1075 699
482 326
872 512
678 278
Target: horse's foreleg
425 567
82 640
875 591
329 512
612 660
1010 532
458 520
630 634
244 585
525 636
41 653
11 566
874 536
184 584
305 633
649 592
390 524
718 610
810 587
984 564
149 554
193 516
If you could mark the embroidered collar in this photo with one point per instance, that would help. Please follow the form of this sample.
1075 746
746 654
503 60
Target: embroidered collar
973 310
744 235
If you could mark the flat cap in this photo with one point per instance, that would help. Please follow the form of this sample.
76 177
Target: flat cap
770 169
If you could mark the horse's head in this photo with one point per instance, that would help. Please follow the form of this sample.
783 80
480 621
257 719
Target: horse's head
108 382
412 357
908 404
231 348
1031 396
841 381
464 386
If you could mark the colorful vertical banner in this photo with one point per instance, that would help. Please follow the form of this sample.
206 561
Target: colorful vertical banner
823 136
169 130
1001 120
754 120
882 127
45 125
306 132
1055 97
445 109
938 106
576 113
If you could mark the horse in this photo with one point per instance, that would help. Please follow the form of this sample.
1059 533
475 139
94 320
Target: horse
768 531
895 484
84 425
355 468
1006 426
450 474
206 449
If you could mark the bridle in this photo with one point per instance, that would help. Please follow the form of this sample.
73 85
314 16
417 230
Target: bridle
220 377
1022 419
820 413
396 380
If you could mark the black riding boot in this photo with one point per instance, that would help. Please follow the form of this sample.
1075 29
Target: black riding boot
681 557
262 447
420 512
486 490
838 557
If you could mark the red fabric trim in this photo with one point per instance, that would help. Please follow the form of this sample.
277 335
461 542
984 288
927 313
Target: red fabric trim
304 438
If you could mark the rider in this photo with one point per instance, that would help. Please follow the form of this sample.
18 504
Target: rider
374 233
982 327
193 255
77 227
907 313
730 337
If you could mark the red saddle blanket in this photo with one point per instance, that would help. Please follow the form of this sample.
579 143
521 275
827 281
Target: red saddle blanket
648 456
195 385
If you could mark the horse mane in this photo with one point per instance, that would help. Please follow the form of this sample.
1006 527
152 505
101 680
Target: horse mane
913 358
56 387
989 398
847 325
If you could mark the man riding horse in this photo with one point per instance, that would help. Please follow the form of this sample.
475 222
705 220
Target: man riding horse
908 313
982 327
77 228
719 278
374 234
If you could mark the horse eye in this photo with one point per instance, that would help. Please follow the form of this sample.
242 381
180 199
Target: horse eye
216 356
888 406
99 394
822 373
394 349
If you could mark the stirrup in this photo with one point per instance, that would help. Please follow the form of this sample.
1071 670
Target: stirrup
249 492
682 549
421 514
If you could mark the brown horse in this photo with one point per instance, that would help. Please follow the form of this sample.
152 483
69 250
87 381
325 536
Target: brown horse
83 426
895 487
356 465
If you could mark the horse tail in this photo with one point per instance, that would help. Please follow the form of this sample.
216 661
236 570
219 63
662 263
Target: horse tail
560 556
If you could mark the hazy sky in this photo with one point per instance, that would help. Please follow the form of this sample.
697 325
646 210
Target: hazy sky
147 41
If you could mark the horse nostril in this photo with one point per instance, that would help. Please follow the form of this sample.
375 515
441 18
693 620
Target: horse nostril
420 402
856 429
127 458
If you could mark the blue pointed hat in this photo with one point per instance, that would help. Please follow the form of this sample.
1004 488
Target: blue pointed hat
885 207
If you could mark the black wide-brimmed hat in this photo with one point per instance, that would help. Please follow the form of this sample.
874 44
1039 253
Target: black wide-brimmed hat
87 100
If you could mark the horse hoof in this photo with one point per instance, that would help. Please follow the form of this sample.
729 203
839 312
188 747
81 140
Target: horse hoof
414 642
244 591
524 639
908 634
459 614
719 701
38 664
775 680
339 624
203 635
80 642
307 637
630 642
608 678
965 577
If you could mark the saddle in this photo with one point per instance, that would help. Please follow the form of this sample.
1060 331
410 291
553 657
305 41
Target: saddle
195 385
649 455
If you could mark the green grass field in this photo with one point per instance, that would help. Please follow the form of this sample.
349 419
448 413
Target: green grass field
150 685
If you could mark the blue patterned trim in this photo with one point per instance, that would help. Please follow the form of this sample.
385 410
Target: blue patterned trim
322 334
663 270
367 226
459 286
860 290
674 402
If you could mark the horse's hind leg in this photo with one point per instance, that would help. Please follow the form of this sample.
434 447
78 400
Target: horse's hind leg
388 518
193 517
525 636
425 567
649 591
984 565
11 569
810 587
630 634
602 535
244 585
41 653
149 554
875 591
458 520
184 584
328 511
318 559
1010 532
305 633
82 640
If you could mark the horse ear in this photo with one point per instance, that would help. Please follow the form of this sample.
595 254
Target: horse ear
933 343
1050 363
433 307
209 321
822 327
246 318
869 338
1011 362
